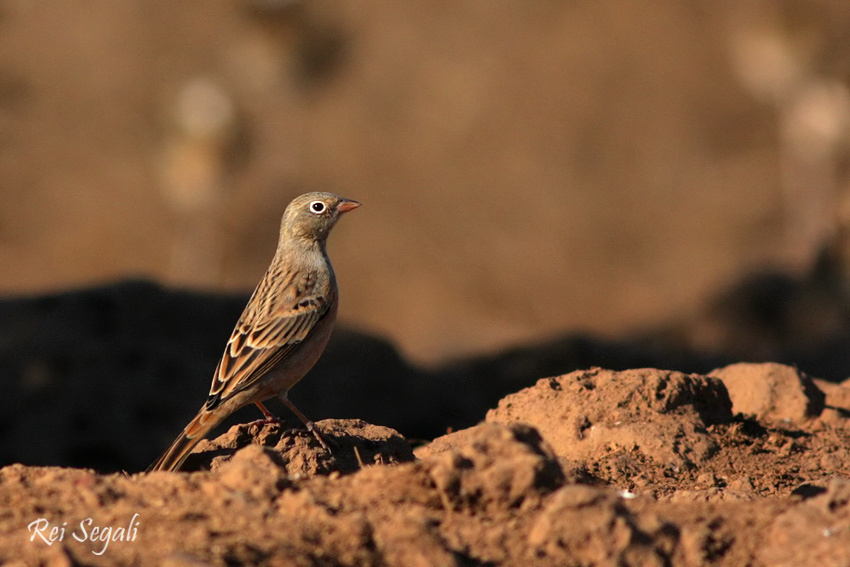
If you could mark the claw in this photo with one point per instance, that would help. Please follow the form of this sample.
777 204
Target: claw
311 427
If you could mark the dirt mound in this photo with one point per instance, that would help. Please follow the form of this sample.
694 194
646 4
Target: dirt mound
643 467
653 416
353 444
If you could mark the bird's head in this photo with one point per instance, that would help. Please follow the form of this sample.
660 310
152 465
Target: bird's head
312 216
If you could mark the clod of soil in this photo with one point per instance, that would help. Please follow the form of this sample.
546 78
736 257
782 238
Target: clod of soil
771 391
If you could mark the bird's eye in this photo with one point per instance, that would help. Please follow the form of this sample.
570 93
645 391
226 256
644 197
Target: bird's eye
317 207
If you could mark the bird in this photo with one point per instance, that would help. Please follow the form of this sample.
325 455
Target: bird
283 329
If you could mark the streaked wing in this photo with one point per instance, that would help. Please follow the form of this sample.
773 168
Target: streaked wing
273 323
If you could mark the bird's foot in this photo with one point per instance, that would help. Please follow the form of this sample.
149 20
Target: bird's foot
311 427
268 417
262 422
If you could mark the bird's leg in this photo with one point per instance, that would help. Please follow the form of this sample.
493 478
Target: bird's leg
269 416
311 427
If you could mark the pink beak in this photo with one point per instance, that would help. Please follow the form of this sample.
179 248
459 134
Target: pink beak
347 205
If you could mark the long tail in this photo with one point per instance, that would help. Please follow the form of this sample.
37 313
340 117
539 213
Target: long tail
197 429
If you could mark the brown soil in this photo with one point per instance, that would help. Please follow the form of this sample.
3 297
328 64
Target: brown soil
596 467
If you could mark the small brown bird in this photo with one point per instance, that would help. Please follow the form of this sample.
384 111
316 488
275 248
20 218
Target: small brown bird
282 331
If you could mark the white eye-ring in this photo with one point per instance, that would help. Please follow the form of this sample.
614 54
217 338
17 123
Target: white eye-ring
317 207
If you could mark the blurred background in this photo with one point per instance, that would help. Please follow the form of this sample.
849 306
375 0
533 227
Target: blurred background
671 173
526 168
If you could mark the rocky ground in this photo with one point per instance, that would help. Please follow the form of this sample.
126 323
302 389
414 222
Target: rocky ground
745 466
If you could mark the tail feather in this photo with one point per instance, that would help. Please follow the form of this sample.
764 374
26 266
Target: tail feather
180 449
